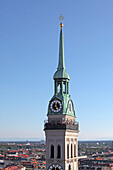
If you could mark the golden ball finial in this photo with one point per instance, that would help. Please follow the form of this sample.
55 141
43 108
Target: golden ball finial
61 25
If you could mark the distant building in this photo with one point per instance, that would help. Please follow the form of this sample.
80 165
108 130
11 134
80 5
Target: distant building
96 164
42 142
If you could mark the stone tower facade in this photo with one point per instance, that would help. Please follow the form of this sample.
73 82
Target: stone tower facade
61 129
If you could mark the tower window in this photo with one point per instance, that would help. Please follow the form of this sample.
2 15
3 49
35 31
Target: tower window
59 88
58 151
67 151
71 150
67 88
69 167
74 150
52 151
64 87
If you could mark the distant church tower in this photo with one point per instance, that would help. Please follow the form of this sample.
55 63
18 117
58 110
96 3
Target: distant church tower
61 130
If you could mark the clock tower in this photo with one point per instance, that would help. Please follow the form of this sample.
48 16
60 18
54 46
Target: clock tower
61 129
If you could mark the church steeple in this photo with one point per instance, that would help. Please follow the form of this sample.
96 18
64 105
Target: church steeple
61 129
61 70
61 82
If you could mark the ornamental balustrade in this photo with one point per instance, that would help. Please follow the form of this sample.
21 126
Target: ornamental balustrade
61 125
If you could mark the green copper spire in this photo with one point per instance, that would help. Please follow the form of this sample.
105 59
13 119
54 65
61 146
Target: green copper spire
61 70
61 64
61 103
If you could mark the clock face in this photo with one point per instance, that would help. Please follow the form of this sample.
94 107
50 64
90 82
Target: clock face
56 105
70 106
55 167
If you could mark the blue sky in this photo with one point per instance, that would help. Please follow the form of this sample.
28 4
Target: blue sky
29 42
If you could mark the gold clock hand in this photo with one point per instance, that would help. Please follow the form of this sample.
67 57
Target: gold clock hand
56 106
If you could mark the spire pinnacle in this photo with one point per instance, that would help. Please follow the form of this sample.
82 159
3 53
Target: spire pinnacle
61 64
61 19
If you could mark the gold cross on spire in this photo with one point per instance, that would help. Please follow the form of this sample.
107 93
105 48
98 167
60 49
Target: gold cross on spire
61 18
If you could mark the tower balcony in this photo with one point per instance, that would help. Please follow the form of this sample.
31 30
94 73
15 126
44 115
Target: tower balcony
61 125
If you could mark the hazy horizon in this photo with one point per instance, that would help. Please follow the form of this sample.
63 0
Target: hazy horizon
39 139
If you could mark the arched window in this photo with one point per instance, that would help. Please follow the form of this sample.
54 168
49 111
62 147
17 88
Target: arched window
58 151
74 150
59 88
67 151
69 167
71 150
64 87
52 151
67 88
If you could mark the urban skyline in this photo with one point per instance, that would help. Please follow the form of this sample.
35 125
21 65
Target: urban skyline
29 57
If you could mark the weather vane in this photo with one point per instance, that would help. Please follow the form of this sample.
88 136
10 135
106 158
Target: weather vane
61 18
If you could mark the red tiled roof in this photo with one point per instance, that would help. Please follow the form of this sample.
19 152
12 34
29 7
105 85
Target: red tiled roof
11 168
98 158
44 163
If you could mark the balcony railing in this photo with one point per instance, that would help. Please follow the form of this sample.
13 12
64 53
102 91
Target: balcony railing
61 125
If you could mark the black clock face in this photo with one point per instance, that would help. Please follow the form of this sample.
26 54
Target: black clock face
56 106
55 167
